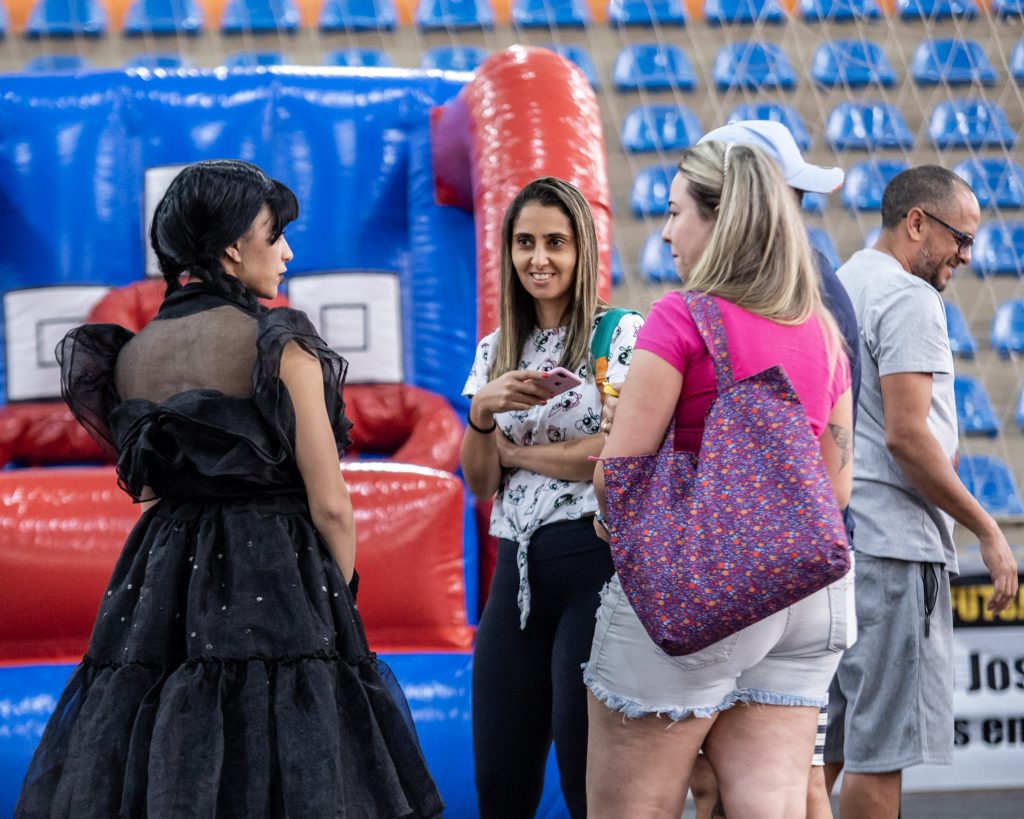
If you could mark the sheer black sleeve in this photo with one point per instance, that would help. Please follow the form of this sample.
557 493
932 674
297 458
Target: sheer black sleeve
87 357
277 328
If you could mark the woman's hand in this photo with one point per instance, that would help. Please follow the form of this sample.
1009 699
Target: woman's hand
506 451
609 401
515 390
482 455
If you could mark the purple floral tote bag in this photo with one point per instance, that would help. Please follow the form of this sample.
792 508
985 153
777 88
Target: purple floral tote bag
707 545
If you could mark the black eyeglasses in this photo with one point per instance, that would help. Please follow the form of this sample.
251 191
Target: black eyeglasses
963 240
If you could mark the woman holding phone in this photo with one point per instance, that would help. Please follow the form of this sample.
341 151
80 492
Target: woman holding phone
529 448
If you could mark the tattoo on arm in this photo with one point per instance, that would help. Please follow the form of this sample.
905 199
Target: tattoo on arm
843 437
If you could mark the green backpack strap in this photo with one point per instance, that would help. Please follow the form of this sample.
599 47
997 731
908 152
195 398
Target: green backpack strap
601 341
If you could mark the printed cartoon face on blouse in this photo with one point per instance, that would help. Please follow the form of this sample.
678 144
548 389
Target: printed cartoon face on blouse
686 231
256 261
544 257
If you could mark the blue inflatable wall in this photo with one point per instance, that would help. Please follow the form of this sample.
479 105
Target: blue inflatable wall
354 148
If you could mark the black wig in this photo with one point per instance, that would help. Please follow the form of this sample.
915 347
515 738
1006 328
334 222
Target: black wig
206 209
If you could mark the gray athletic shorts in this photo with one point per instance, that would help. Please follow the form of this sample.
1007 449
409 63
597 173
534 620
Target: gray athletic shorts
891 702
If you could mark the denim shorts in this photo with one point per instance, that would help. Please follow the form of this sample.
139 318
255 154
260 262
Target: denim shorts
786 659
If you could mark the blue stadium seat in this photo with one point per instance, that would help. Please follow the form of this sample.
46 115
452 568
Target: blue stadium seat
974 412
1017 63
1019 415
721 12
359 58
996 181
257 59
839 11
851 64
66 18
1007 333
3 21
865 182
454 58
867 126
951 62
260 15
57 64
961 340
358 15
752 66
936 9
649 194
646 13
990 481
653 67
966 123
999 249
454 14
163 17
814 202
618 271
167 61
820 239
581 58
550 13
662 128
775 112
656 263
1007 8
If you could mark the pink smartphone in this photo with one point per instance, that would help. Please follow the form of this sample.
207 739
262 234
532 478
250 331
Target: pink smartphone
559 380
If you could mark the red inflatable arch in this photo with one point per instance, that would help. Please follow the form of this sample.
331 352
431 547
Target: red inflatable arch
528 112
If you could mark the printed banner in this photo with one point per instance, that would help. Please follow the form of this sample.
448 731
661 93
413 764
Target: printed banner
988 730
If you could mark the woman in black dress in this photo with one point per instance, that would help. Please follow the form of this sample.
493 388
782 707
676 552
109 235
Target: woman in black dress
228 673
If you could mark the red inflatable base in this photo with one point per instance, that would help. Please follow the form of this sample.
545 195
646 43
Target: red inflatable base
62 530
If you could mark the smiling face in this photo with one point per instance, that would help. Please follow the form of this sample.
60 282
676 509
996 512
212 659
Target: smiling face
939 253
544 257
686 231
257 262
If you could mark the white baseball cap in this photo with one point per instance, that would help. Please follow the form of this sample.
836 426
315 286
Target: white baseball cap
776 140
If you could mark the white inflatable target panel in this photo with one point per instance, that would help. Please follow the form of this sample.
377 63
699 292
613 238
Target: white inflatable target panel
35 319
360 316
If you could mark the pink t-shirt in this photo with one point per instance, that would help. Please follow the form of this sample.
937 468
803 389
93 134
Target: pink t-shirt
755 344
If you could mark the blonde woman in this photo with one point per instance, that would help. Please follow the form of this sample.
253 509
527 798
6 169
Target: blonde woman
751 700
532 449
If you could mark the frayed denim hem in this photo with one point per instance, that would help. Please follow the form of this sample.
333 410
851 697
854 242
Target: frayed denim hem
635 710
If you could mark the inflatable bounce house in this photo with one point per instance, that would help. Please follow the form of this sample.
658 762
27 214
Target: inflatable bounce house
402 177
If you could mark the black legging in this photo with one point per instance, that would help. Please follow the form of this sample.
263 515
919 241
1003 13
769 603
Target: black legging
528 684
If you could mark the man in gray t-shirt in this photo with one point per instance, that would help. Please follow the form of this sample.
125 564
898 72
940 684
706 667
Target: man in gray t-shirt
891 703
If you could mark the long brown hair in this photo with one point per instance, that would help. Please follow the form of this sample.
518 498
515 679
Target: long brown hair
518 311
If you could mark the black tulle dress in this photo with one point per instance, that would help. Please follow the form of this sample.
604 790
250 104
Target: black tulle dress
228 673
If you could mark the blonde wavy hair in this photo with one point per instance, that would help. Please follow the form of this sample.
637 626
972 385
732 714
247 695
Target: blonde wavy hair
758 256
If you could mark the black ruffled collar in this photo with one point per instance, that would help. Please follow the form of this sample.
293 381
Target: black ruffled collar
199 296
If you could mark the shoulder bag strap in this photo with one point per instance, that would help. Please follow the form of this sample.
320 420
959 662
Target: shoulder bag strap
708 319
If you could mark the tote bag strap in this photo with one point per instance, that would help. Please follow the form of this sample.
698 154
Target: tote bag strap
708 319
